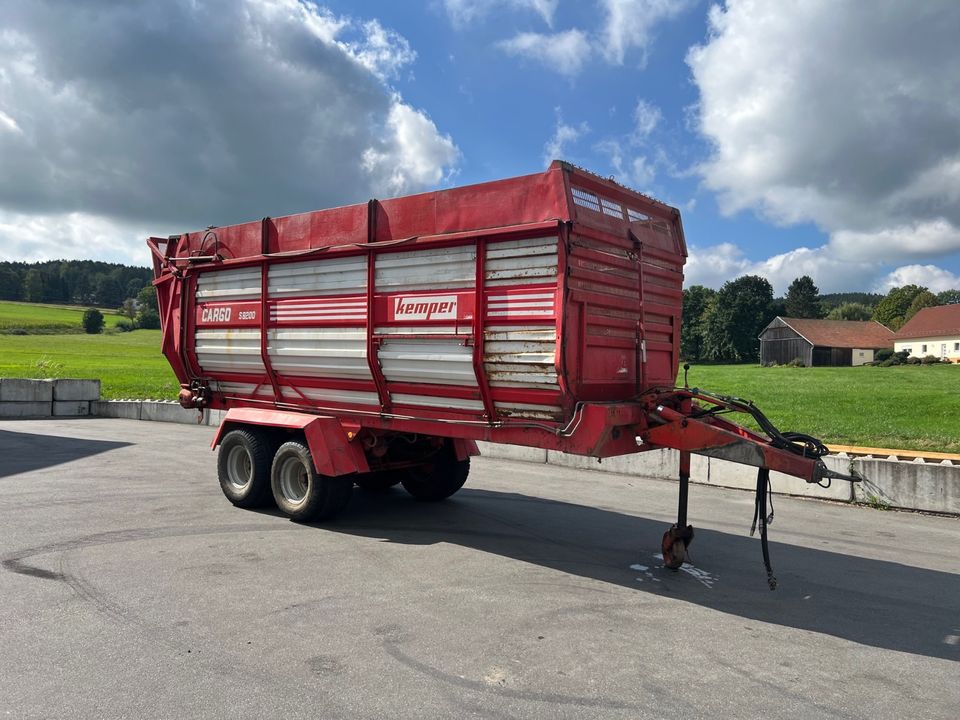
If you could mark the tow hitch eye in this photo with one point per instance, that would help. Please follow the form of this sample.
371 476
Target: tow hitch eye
194 395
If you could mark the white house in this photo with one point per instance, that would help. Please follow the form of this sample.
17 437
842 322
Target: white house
932 331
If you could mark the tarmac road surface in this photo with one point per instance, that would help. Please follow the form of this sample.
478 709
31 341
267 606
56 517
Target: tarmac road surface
130 588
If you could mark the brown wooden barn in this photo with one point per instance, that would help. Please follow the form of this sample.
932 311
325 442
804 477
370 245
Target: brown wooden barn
822 342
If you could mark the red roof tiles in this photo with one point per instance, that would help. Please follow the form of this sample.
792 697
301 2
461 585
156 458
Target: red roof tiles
842 333
941 321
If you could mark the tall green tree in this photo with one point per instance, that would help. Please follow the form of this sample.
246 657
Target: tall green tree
108 291
11 288
948 297
801 300
892 310
147 298
734 319
850 311
33 286
922 300
696 299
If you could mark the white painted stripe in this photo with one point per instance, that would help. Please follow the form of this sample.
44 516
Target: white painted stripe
531 304
537 313
302 306
522 296
333 311
438 402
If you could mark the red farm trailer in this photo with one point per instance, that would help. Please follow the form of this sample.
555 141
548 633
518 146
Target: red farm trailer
373 344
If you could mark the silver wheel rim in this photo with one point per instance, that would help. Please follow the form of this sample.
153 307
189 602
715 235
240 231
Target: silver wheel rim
294 480
239 467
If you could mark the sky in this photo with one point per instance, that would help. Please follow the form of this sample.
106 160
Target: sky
817 137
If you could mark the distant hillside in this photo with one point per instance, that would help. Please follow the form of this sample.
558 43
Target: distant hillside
72 282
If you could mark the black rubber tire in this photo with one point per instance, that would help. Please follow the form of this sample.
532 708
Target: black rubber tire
378 482
438 478
245 454
300 492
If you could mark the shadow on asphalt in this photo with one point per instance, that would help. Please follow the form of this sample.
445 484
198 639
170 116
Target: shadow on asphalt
871 602
24 452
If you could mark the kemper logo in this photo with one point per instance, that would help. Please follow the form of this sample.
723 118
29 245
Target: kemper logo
430 307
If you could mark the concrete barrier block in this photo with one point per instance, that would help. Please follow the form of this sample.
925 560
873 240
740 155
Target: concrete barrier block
712 471
127 409
215 417
74 389
653 463
927 486
168 412
71 408
25 409
24 390
513 452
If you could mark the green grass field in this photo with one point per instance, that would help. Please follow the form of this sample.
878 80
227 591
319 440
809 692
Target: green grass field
908 407
129 365
912 407
34 318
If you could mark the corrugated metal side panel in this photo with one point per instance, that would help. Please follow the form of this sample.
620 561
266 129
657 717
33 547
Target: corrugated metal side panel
439 268
521 356
320 352
515 262
605 279
229 350
445 362
321 395
221 285
324 276
519 348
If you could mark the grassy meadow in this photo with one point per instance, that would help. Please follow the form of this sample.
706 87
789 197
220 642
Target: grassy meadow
910 407
35 319
907 407
129 365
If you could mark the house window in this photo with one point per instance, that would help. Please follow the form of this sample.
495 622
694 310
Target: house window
923 348
956 346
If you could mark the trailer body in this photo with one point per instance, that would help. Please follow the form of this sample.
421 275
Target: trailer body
373 344
494 311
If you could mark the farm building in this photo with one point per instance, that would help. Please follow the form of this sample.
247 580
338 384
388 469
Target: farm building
822 342
932 331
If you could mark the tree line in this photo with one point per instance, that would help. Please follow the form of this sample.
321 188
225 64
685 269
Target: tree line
72 282
724 325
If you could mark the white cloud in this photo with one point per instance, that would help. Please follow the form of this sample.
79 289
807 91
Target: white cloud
9 123
465 12
563 134
629 155
930 276
921 239
382 51
844 114
712 266
415 155
629 24
646 117
152 116
30 238
563 52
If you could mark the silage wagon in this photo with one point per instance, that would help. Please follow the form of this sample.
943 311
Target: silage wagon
374 344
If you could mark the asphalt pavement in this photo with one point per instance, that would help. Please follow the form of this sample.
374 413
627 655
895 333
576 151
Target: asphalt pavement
130 588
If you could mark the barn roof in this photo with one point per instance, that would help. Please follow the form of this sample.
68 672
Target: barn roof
841 333
940 321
